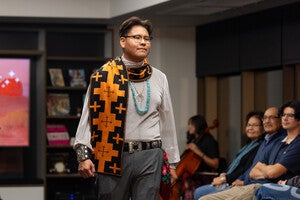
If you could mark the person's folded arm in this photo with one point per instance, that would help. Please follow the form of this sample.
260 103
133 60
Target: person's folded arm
274 171
262 170
256 171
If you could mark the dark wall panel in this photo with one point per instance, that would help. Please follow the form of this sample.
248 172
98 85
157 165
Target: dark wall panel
268 39
260 40
217 48
291 34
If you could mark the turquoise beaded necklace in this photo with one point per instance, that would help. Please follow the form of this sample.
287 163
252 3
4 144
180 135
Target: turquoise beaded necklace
138 109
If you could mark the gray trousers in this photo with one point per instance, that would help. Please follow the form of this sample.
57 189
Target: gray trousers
140 180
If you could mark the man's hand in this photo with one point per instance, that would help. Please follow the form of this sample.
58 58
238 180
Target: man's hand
237 182
282 182
86 168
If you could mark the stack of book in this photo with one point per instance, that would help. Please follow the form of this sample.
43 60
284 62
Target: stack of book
57 134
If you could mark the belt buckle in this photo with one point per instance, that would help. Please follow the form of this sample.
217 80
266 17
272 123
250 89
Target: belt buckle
132 146
156 144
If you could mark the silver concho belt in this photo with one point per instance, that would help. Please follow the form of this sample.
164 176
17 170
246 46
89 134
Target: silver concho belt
139 145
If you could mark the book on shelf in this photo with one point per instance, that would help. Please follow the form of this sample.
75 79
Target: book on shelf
56 77
77 78
57 134
58 104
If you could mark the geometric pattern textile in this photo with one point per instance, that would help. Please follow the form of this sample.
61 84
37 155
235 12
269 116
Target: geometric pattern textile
108 106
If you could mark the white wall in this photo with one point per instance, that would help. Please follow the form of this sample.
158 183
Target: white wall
55 8
173 52
16 193
119 7
101 9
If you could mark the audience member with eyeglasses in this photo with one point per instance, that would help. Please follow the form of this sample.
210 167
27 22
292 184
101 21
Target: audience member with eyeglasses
282 163
243 159
127 122
273 134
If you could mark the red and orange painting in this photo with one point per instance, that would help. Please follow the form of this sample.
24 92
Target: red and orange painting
14 101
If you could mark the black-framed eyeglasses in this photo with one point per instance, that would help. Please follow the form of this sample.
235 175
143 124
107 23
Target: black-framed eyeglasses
271 117
288 115
139 38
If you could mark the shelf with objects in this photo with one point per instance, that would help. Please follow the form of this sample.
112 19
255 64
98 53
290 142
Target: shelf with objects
72 56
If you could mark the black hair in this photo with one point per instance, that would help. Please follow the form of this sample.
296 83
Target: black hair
294 105
200 124
258 114
134 21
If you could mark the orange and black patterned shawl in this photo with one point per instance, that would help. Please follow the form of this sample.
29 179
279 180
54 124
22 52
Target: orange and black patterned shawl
108 106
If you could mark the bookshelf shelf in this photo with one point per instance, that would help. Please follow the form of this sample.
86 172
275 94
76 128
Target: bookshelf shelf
74 54
65 88
63 117
63 175
60 147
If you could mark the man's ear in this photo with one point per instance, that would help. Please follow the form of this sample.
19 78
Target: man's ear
122 42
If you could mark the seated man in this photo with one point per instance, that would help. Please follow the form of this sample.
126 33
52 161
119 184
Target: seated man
282 163
274 133
285 189
243 160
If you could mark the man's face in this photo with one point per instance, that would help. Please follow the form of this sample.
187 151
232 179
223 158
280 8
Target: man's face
134 49
271 120
288 119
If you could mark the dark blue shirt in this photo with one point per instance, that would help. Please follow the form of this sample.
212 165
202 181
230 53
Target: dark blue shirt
263 152
286 155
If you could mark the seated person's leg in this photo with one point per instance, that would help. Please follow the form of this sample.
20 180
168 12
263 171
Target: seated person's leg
208 189
238 192
272 191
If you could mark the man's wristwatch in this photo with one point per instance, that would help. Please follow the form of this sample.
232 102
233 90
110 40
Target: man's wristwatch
83 152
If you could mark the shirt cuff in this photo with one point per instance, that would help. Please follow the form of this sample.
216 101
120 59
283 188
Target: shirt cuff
172 166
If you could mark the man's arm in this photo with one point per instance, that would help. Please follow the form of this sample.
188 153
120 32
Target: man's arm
261 170
256 172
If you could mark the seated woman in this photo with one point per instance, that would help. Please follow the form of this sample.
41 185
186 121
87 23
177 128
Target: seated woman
205 147
285 189
243 160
